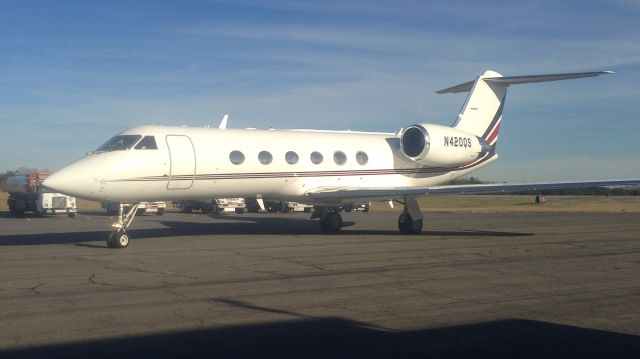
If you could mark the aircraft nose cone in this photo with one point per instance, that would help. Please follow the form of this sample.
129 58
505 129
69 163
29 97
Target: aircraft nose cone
59 181
76 179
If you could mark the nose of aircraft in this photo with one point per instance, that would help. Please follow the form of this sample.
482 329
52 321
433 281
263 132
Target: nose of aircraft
76 179
60 181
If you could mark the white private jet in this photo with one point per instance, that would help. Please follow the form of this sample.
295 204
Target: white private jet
324 168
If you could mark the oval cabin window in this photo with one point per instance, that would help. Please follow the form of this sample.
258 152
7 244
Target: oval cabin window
291 157
316 157
339 158
362 158
265 157
236 157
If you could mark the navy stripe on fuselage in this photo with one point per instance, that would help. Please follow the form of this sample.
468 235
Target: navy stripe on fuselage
240 175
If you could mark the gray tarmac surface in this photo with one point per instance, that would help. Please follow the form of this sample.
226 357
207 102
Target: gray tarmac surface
472 285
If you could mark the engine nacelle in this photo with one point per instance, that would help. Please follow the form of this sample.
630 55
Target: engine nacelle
441 146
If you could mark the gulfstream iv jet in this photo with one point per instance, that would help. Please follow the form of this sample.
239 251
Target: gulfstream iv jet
323 168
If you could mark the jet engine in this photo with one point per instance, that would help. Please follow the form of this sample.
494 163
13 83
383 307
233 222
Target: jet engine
441 146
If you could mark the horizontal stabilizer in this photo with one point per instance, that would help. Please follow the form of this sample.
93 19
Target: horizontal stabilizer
515 80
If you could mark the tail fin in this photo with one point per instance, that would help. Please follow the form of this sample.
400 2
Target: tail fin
481 113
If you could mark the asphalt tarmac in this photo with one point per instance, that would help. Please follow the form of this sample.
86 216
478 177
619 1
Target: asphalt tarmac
472 285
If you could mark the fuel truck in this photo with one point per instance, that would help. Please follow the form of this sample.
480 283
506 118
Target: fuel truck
26 194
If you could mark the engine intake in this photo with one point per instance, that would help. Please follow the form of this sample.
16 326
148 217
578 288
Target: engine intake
415 142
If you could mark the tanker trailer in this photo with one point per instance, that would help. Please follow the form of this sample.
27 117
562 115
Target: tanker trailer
26 194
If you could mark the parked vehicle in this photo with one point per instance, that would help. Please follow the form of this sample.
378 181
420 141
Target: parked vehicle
300 207
274 205
27 194
236 205
157 208
270 205
188 206
216 205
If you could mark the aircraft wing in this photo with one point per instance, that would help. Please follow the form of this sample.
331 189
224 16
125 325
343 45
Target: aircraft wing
391 193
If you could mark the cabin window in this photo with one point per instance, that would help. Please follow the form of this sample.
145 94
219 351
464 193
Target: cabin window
119 143
236 157
339 158
147 143
265 157
316 157
291 157
362 158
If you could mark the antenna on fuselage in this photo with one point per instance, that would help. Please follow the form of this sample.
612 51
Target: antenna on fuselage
223 123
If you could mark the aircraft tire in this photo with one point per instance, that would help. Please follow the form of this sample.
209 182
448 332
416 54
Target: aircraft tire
121 239
110 238
118 239
332 222
408 225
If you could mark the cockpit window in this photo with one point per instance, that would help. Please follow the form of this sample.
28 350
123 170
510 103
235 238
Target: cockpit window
120 142
147 143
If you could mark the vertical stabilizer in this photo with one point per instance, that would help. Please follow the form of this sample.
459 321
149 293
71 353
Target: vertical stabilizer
482 111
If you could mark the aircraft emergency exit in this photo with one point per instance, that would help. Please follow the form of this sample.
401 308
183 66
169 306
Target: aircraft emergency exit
323 168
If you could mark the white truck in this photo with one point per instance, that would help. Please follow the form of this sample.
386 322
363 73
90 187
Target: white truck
157 208
26 194
300 207
236 205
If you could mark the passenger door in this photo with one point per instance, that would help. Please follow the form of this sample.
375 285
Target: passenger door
182 158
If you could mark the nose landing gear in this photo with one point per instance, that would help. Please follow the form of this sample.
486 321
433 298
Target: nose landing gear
118 238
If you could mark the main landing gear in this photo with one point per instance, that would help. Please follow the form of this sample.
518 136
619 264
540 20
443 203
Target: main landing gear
118 238
330 218
410 220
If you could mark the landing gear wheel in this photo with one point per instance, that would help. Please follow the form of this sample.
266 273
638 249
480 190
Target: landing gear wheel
118 239
408 225
332 222
71 214
160 212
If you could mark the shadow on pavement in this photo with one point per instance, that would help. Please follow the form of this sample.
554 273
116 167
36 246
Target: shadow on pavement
232 225
340 338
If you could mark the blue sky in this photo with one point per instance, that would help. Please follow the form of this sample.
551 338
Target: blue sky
73 73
